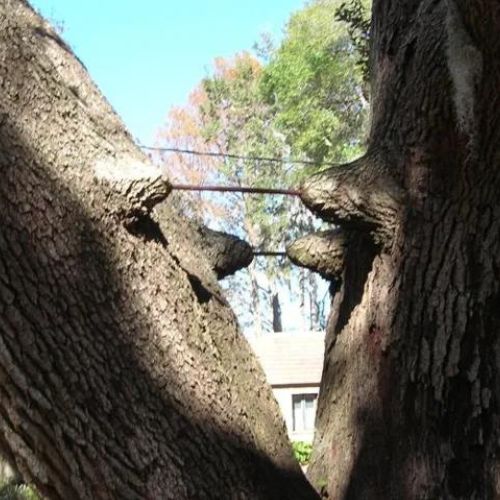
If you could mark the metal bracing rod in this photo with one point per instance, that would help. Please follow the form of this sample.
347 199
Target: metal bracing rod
236 189
264 253
241 189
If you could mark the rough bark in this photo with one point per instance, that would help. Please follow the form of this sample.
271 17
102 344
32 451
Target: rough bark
410 398
122 372
322 252
224 252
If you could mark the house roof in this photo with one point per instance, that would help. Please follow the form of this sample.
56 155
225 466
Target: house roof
290 358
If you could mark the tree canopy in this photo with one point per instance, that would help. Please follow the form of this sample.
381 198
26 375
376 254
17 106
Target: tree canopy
315 85
303 99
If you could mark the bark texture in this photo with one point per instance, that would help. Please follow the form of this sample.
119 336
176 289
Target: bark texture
122 371
410 400
224 252
322 252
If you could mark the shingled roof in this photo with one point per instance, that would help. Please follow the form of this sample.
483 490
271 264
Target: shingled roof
290 358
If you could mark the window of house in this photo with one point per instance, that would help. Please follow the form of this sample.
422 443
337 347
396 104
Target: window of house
303 411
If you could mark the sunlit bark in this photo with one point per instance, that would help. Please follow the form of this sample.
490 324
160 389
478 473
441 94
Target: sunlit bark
122 371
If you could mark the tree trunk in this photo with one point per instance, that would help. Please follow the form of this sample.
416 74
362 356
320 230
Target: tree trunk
255 304
122 372
410 398
276 308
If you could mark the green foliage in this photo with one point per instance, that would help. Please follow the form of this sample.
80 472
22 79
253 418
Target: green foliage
236 119
356 15
305 100
11 491
302 452
315 85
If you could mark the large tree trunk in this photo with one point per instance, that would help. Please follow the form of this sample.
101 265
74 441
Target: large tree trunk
410 398
122 372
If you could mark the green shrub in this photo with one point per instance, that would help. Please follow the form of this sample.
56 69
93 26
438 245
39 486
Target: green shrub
18 492
302 451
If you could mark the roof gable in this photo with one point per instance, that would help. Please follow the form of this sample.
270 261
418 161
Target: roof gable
290 358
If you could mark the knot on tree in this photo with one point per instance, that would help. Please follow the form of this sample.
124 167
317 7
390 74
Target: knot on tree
225 252
322 252
363 196
132 187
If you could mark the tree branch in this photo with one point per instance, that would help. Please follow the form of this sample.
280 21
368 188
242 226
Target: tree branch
135 187
322 252
225 252
362 195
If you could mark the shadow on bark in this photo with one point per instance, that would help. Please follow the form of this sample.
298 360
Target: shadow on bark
104 394
359 257
380 401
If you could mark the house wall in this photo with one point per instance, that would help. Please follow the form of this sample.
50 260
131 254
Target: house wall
284 397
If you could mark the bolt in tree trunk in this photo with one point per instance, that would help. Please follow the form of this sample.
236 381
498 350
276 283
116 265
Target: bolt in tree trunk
410 398
122 373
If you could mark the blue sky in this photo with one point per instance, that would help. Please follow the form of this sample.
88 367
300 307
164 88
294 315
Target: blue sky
147 56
